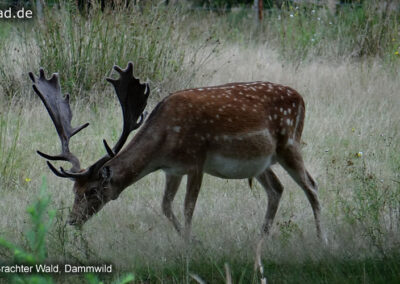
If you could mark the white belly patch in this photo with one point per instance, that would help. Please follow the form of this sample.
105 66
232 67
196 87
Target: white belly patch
233 168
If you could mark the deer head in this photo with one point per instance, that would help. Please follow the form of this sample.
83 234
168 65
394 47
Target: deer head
93 186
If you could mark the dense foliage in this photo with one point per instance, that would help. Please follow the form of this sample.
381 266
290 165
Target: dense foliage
234 3
86 46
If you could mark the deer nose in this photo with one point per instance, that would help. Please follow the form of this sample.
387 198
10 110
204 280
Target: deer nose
74 222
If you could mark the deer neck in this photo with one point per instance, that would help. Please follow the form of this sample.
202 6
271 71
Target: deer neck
136 160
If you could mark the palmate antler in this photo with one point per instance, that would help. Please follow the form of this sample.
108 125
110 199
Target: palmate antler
132 96
132 106
59 109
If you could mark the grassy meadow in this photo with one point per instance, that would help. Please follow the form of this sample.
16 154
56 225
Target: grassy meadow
346 66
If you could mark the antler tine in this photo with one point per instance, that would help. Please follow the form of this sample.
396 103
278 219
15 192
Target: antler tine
49 91
132 96
128 71
41 73
65 174
54 170
108 149
118 69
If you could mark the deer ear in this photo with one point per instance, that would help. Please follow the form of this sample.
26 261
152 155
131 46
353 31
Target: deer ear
105 174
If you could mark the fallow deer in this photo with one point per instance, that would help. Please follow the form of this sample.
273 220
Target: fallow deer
232 131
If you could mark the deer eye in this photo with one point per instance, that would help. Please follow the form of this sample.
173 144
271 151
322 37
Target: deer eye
91 192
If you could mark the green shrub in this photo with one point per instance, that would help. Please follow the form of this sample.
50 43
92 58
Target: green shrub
41 218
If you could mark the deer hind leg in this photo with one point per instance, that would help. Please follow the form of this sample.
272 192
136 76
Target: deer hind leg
274 189
192 192
291 159
171 187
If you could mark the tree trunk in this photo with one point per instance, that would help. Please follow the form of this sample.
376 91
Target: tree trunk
258 8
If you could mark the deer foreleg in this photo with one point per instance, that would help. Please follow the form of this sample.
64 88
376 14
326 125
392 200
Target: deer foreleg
171 187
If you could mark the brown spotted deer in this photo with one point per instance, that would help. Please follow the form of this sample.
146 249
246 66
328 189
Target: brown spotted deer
232 131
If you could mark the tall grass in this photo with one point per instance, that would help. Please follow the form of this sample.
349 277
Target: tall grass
157 40
359 194
85 47
353 31
10 154
301 31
